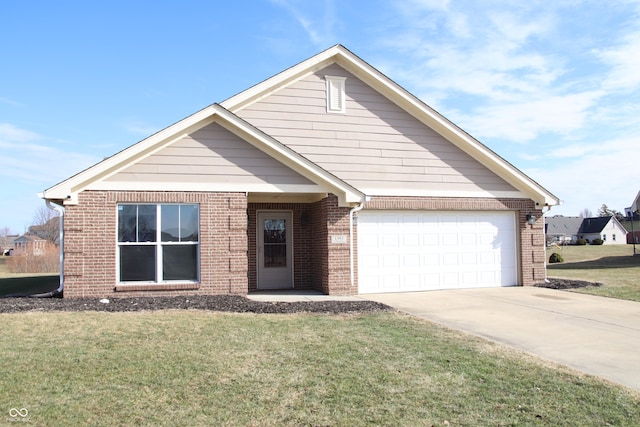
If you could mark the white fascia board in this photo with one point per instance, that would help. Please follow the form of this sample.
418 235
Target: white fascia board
68 189
401 192
207 187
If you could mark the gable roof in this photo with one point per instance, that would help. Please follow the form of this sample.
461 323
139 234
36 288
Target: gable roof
340 55
595 224
28 238
563 225
67 191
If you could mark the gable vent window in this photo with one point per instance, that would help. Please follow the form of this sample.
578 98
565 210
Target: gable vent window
335 94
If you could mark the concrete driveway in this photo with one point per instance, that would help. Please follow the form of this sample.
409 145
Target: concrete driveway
595 335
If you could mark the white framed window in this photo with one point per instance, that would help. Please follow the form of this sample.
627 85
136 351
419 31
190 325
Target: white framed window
158 243
335 94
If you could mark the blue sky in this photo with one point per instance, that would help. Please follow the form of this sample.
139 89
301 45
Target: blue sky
553 87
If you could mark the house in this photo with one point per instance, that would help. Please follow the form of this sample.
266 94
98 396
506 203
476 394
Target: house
30 244
607 228
326 176
6 244
631 224
562 230
635 206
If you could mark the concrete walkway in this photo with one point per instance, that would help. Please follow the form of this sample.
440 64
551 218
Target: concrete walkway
595 335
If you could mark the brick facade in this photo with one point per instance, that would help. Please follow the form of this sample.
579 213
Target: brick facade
318 264
228 226
90 244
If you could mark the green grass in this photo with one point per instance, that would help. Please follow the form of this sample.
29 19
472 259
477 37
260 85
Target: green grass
615 266
200 369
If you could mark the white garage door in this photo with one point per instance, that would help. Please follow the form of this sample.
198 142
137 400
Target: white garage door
401 251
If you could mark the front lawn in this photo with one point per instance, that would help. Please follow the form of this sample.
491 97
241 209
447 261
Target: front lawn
201 368
615 266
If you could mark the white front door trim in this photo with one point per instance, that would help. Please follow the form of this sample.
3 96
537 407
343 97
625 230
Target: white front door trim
274 238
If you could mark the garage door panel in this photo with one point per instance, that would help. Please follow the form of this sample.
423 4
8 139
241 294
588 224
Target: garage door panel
407 251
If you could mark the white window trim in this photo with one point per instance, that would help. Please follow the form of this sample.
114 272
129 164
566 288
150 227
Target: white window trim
335 91
158 247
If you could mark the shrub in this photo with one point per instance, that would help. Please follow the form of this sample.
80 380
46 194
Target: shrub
597 241
45 261
581 242
555 257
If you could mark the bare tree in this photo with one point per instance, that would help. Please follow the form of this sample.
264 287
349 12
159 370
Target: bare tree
46 224
5 231
586 213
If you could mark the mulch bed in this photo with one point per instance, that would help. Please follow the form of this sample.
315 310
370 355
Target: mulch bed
555 283
222 303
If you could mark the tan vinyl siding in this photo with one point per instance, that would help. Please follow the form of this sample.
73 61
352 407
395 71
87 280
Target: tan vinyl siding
374 145
211 154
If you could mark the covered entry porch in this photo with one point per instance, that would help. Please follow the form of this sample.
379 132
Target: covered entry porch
299 242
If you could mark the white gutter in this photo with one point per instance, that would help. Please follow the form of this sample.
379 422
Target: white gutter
60 210
351 261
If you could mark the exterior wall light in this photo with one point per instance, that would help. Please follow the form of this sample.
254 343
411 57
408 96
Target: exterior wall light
531 219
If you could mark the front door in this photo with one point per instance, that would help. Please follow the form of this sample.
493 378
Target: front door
275 266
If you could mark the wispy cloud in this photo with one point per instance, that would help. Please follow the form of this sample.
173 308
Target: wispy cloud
11 132
10 102
139 128
318 19
32 158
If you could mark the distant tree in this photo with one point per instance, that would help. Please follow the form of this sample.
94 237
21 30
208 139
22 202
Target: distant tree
46 224
605 211
586 213
5 231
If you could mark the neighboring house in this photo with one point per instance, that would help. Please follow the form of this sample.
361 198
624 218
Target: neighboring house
29 244
635 206
327 176
607 228
6 244
631 223
562 230
50 230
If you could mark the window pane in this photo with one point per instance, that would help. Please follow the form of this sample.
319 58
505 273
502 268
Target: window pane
146 223
137 263
189 219
275 231
127 228
275 256
180 262
170 231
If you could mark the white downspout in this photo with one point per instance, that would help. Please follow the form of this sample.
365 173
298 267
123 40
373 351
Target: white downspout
351 260
60 210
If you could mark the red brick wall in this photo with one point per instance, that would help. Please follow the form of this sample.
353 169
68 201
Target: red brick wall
228 241
336 272
90 244
530 237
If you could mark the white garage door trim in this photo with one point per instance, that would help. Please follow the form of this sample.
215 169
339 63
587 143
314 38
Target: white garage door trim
403 251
